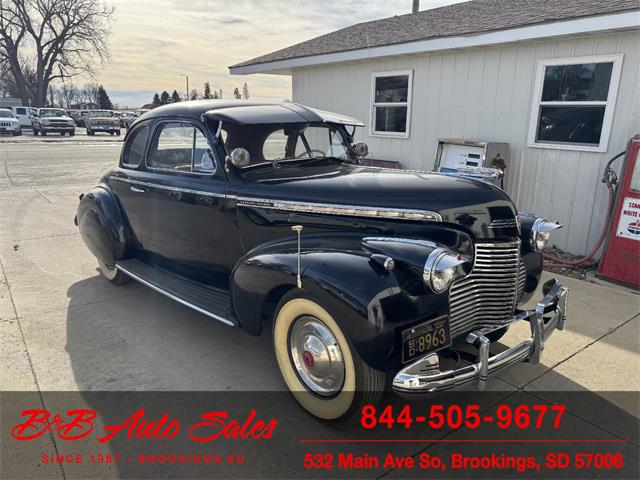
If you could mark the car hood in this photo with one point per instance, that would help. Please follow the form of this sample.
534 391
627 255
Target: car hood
476 205
57 118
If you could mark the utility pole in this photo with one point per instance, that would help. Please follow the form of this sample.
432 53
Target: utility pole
416 6
187 77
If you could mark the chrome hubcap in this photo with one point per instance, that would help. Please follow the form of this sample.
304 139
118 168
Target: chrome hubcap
316 356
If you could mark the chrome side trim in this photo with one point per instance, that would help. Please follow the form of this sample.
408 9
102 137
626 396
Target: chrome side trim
335 209
176 298
167 187
406 241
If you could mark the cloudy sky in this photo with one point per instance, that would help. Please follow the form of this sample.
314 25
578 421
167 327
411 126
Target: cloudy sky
155 41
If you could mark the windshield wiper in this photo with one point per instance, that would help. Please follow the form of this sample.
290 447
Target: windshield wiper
312 160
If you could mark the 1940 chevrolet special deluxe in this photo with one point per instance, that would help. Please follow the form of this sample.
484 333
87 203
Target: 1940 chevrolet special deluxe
260 216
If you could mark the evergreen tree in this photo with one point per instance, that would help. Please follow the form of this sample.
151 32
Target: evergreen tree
207 91
103 99
156 100
245 91
193 95
165 98
175 96
236 93
215 94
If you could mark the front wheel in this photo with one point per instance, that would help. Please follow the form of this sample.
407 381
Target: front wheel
112 274
319 365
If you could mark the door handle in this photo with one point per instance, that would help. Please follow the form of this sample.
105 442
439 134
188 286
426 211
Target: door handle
137 190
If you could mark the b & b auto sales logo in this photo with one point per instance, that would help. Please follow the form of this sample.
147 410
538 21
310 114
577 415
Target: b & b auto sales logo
79 424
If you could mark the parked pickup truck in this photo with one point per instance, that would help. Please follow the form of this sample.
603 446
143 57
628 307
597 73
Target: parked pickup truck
102 121
260 217
51 120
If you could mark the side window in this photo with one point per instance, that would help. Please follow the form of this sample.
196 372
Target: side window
21 111
574 102
181 147
135 146
275 146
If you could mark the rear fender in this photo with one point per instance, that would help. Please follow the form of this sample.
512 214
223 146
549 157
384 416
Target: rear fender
102 225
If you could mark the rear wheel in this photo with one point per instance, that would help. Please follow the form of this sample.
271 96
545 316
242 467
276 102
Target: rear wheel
35 131
43 133
112 274
319 365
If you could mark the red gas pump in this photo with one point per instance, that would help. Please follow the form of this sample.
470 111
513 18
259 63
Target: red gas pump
621 260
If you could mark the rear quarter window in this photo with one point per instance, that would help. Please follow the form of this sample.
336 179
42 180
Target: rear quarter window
134 148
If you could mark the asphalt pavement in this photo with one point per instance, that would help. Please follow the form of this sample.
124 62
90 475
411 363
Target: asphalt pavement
63 327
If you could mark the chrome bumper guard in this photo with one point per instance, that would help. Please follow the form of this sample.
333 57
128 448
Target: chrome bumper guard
424 375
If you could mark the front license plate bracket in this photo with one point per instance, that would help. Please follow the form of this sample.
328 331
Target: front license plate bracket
425 338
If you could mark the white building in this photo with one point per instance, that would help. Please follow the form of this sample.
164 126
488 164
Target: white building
557 80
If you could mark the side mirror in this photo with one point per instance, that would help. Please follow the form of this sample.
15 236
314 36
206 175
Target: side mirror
361 149
239 157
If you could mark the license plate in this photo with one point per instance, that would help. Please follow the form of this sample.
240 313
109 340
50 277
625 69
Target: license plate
424 338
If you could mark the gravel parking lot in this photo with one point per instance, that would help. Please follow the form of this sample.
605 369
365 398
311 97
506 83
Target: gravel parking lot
65 328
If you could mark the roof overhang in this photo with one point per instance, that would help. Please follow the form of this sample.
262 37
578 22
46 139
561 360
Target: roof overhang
277 113
596 24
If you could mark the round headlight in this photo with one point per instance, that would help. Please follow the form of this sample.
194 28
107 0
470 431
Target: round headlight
441 269
541 232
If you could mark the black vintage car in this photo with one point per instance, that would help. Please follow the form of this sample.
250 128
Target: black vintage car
260 216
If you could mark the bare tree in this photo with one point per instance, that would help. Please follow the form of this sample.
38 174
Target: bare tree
47 40
89 93
68 94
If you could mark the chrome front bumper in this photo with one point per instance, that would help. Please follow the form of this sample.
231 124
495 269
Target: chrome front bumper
424 375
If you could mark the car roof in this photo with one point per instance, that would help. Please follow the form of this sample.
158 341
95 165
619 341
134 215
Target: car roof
248 112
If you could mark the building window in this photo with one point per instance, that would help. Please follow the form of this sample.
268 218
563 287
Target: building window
391 103
573 103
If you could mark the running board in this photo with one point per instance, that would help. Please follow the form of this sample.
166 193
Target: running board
209 301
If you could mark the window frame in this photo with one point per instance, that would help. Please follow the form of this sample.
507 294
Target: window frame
391 73
609 103
127 146
157 130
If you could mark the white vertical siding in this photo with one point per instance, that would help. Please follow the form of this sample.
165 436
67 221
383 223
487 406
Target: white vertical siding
486 94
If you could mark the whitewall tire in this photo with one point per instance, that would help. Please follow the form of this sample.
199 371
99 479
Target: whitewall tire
320 367
112 274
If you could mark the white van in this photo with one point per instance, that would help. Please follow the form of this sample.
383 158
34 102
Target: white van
22 114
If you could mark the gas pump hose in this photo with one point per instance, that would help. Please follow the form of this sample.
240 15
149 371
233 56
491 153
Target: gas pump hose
611 180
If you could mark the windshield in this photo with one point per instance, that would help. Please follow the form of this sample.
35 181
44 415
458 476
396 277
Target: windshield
102 113
52 113
275 143
6 114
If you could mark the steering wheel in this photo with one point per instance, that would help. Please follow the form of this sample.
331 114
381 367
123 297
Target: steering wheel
311 151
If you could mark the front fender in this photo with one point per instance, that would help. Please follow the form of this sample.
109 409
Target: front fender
102 225
367 301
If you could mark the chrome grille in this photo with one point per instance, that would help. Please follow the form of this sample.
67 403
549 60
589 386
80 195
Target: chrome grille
504 223
487 296
5 124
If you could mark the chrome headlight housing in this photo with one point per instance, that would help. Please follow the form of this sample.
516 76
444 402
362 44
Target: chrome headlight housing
541 232
441 269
